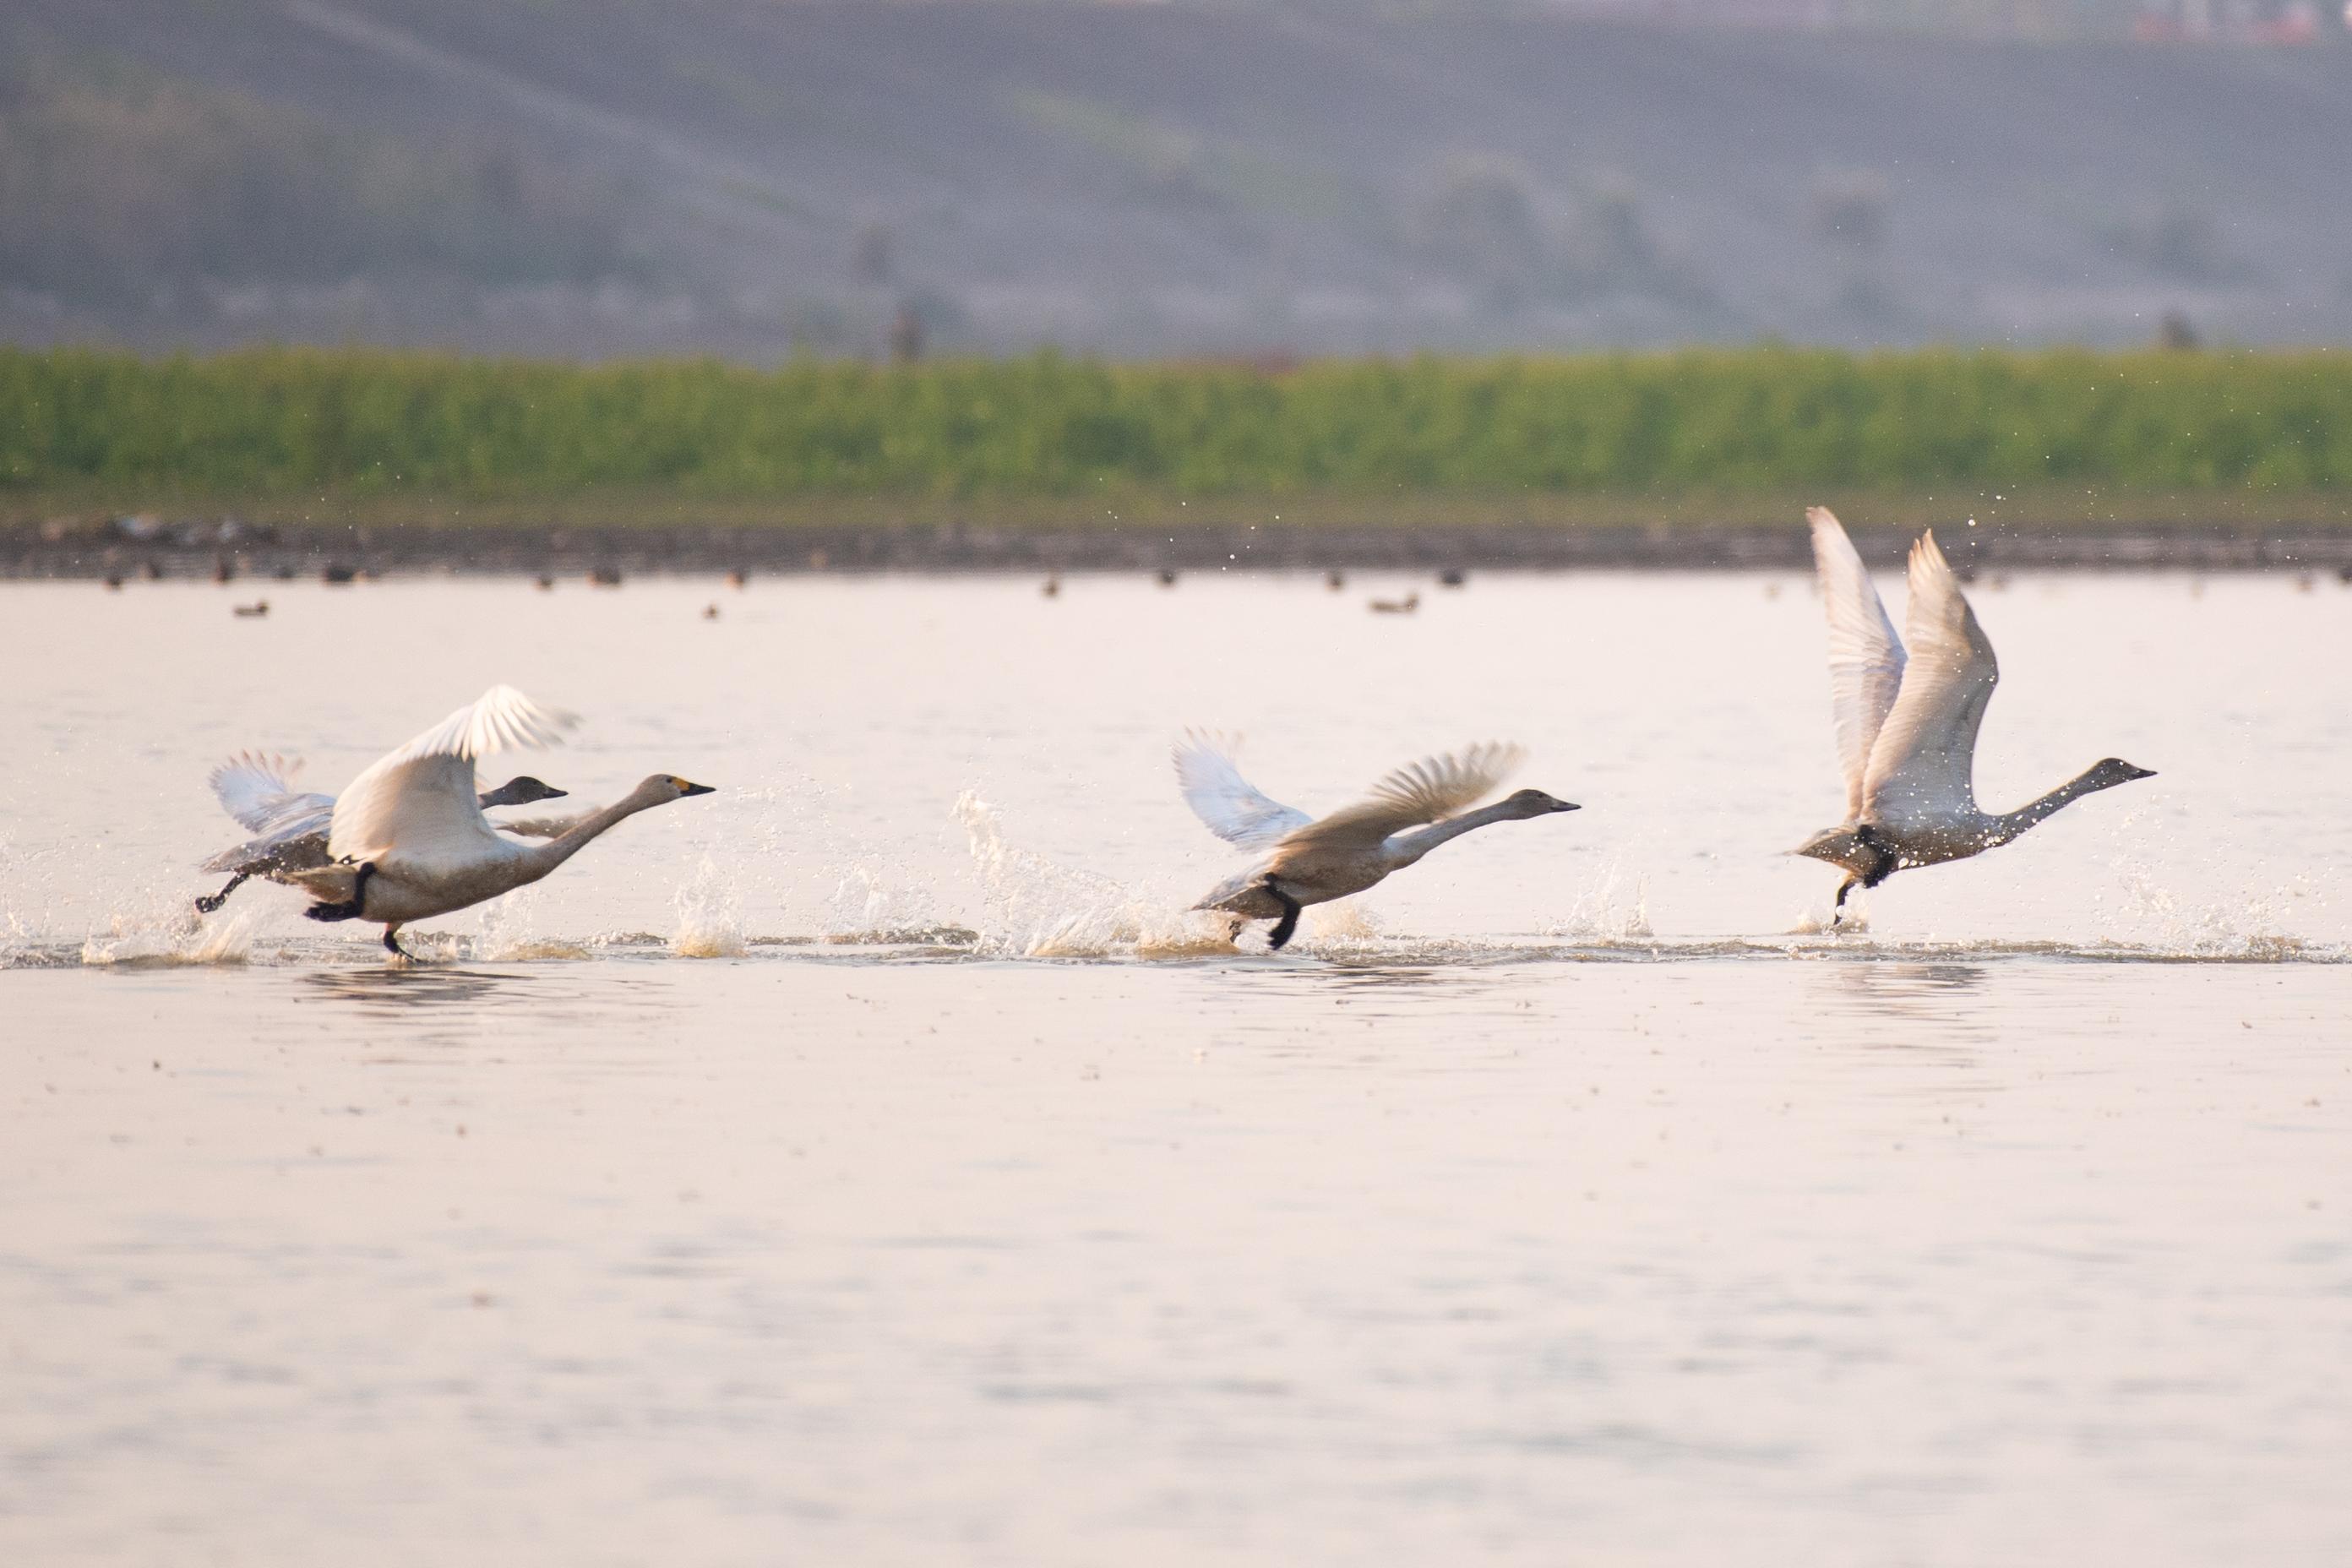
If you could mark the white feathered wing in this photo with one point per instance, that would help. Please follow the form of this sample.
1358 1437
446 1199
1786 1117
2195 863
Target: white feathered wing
1923 763
416 807
1866 656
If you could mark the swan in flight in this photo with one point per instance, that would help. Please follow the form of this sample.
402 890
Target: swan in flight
408 840
1906 726
1312 861
290 827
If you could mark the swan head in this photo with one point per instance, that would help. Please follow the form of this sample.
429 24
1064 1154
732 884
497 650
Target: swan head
523 791
663 788
1534 803
2109 771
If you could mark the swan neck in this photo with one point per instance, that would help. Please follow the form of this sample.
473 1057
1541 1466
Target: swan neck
2010 823
555 851
1408 848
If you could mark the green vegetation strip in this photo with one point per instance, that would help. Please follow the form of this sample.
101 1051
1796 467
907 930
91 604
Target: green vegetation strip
357 425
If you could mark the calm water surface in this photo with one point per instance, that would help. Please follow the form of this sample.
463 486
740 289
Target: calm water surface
874 1163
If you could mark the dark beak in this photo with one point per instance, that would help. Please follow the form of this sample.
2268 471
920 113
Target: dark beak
2143 772
1566 805
555 793
700 789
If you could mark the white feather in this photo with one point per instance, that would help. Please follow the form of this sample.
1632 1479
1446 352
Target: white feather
1234 809
1922 764
1866 656
417 805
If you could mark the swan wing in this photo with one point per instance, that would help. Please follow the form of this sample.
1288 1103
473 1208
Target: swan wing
1866 656
419 802
1430 790
1923 764
1234 808
259 791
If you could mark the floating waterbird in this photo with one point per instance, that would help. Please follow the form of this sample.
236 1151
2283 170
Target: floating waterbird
1403 607
252 612
409 840
290 827
1053 587
1311 861
1906 727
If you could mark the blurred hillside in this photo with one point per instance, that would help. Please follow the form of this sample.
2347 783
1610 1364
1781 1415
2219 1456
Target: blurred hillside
752 176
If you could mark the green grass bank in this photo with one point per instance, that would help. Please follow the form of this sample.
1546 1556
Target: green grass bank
1680 435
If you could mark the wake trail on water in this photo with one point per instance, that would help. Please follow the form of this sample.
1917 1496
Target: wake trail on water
794 883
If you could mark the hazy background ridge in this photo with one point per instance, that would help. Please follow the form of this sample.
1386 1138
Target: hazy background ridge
753 176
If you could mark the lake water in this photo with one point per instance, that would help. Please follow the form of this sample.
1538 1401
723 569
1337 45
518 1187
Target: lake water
874 1163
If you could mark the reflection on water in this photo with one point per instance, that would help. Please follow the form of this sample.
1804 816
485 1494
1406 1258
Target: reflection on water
860 1172
396 989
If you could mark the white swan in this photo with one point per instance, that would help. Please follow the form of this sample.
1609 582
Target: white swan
1312 862
1906 729
409 840
290 827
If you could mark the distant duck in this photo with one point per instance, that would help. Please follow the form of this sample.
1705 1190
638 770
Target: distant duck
290 827
736 578
336 573
1052 588
222 569
1906 725
604 576
709 611
546 582
114 582
1312 861
252 612
1453 577
409 841
1335 579
1403 607
1167 576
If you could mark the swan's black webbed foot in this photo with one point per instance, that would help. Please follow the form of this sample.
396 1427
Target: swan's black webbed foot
1286 927
212 901
1837 909
392 944
349 909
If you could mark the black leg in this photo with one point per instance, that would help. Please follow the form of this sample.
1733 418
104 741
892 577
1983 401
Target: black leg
1837 911
392 944
206 906
349 911
1288 925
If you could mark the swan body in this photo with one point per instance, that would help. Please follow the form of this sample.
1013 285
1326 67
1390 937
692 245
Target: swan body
290 827
1906 721
408 840
1309 860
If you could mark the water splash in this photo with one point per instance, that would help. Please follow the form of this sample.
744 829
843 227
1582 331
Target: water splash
2251 923
1597 913
155 937
1037 907
709 915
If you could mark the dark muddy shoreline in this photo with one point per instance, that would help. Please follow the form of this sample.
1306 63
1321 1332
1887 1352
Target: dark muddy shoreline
229 550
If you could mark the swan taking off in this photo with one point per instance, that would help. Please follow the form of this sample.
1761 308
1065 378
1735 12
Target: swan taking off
1311 861
409 841
1907 727
290 827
